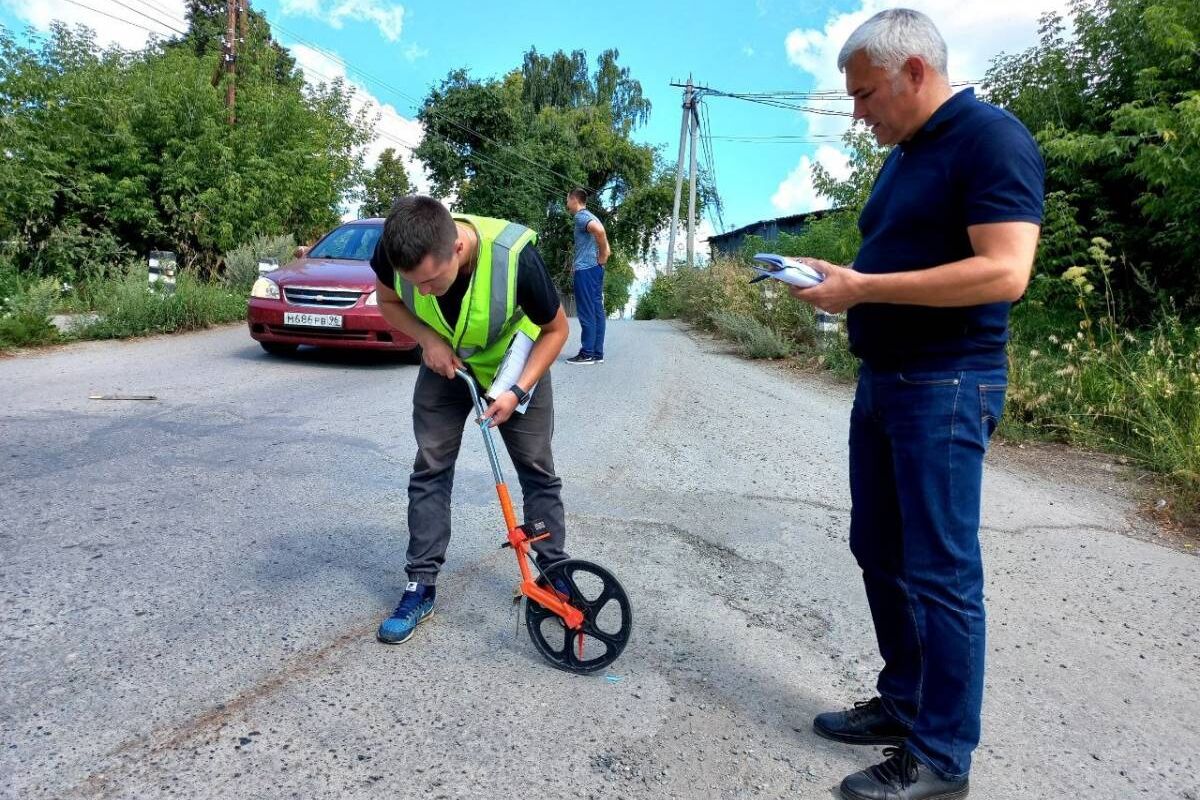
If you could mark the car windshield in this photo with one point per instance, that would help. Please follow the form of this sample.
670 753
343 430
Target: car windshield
355 242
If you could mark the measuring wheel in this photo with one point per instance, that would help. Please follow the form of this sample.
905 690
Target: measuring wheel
607 619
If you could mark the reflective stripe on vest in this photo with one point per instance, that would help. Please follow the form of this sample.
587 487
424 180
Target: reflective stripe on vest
501 306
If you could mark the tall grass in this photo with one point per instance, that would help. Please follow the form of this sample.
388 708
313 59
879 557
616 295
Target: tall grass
25 309
720 298
241 263
125 306
1079 376
754 339
116 300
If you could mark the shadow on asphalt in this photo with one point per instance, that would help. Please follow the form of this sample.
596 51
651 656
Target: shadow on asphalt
370 556
331 357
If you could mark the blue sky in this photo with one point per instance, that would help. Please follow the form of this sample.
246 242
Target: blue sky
729 45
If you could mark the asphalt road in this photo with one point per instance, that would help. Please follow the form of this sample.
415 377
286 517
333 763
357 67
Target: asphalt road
189 589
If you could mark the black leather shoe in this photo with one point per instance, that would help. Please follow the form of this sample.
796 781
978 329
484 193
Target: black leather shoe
902 777
866 723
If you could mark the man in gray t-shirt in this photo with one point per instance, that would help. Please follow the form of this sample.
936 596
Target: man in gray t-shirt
591 254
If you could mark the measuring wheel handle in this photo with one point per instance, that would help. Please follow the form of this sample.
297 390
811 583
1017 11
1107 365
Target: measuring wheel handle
588 628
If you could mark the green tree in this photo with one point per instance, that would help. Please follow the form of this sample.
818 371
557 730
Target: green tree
1115 106
386 182
512 147
110 153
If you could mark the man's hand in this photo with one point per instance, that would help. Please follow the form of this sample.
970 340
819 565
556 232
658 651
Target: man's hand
439 357
501 409
842 288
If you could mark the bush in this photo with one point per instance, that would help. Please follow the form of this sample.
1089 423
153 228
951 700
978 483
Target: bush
25 313
72 250
658 301
241 263
10 278
618 277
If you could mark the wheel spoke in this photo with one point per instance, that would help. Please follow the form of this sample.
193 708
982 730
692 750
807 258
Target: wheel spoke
608 638
594 606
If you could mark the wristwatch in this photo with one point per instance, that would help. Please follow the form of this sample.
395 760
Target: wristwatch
521 394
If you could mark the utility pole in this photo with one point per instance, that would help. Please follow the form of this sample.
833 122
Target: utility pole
691 245
683 138
231 12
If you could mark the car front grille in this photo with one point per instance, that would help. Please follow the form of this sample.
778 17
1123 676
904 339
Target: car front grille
317 297
320 333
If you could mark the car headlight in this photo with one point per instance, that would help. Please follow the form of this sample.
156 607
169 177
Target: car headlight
372 299
265 288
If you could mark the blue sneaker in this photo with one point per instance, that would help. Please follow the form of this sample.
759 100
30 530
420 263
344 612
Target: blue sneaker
415 607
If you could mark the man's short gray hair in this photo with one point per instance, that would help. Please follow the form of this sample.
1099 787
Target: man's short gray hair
892 37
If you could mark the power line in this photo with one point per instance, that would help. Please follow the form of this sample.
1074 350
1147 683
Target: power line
777 139
549 189
715 213
522 176
530 180
144 15
114 18
162 10
794 100
417 104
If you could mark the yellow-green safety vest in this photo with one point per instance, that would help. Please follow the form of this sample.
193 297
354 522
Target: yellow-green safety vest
489 317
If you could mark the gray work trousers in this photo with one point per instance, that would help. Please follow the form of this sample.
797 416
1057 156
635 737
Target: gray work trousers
440 409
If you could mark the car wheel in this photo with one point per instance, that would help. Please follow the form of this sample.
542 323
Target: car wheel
279 348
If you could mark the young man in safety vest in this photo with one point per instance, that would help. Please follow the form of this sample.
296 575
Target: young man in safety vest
463 287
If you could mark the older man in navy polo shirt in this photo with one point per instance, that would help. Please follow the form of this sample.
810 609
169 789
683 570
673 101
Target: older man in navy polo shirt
949 236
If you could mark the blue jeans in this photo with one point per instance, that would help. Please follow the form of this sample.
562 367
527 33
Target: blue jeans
589 307
917 441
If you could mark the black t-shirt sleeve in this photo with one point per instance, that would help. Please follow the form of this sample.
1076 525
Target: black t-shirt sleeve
383 270
536 294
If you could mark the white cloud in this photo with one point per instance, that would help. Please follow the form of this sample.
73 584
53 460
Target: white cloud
658 249
392 129
319 67
414 52
796 193
748 51
131 29
388 17
974 33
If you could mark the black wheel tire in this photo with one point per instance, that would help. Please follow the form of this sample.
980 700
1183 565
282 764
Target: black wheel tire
279 348
563 655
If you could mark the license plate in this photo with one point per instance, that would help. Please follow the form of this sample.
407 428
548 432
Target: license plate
312 320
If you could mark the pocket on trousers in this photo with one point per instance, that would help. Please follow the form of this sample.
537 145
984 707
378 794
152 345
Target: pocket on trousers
991 406
927 378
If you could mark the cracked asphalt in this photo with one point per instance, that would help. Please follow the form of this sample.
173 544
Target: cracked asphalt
189 589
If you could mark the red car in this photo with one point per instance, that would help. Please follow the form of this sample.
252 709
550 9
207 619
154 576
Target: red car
326 297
